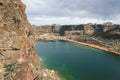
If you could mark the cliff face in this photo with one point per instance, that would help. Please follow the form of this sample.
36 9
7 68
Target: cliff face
104 35
17 47
107 30
18 58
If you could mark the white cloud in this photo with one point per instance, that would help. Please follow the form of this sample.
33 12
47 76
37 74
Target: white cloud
65 20
72 11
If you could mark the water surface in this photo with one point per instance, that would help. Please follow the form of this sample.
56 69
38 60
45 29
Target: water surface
75 62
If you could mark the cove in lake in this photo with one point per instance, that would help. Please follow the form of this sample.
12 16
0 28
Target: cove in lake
75 62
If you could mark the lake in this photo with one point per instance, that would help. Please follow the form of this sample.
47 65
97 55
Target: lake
77 62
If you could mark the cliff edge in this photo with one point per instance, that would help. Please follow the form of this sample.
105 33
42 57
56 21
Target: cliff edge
18 58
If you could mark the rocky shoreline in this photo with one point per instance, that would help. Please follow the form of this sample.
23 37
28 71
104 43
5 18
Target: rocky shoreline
51 37
48 37
94 46
102 36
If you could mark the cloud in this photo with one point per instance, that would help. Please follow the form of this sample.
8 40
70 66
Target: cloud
105 10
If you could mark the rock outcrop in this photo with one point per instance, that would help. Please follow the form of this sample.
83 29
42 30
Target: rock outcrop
18 58
101 30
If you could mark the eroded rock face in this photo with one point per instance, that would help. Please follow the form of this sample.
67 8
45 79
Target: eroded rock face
18 58
17 46
89 29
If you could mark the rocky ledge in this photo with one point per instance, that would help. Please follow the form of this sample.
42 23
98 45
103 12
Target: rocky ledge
18 58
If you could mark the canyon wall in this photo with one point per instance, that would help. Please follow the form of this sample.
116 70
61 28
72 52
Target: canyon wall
18 58
104 35
106 30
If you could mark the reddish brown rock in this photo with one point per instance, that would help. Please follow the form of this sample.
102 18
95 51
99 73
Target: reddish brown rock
17 45
18 58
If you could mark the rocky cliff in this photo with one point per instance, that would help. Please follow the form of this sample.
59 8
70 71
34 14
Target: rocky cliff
106 30
104 35
18 58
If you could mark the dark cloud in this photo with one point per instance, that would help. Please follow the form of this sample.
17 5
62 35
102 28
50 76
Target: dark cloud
103 9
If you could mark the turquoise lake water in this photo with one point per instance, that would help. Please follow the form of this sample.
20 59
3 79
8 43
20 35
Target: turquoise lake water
75 62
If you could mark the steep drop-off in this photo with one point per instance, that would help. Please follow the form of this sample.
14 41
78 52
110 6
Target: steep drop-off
18 58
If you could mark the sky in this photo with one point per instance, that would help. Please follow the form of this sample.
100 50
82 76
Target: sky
43 12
